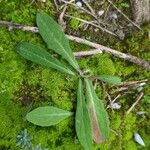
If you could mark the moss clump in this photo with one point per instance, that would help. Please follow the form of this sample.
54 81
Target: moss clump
19 78
100 64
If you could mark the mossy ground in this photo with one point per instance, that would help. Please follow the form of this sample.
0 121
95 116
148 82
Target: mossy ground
24 86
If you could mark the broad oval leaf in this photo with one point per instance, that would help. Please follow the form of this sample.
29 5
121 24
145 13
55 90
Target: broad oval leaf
47 116
109 79
55 39
41 56
82 120
98 114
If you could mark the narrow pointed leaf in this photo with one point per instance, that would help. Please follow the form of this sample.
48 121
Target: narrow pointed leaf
83 124
47 116
98 115
109 79
41 56
55 39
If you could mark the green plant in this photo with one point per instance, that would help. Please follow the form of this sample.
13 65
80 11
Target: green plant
91 120
122 4
24 140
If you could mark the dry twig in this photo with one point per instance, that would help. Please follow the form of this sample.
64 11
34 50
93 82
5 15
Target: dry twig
110 101
135 103
89 7
87 53
61 18
130 85
124 56
56 4
133 83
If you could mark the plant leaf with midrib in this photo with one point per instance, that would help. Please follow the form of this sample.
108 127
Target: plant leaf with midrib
47 116
82 120
41 56
55 39
98 114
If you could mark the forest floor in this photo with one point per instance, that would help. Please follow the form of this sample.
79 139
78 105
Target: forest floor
25 85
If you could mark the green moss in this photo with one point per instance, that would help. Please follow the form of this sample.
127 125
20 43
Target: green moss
74 23
20 78
100 64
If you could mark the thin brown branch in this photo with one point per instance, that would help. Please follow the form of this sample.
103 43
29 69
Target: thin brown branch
110 101
133 83
87 53
61 18
55 4
139 97
89 7
11 26
99 47
130 85
130 58
116 98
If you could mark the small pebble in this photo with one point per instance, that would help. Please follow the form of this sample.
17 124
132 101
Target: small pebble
141 112
115 106
79 4
114 16
138 139
141 84
100 12
120 34
96 29
139 89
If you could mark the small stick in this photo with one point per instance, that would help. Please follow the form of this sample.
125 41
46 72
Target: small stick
106 11
110 105
115 132
133 59
128 57
116 98
135 103
121 89
87 53
11 26
89 7
124 15
56 4
132 83
110 102
61 18
93 24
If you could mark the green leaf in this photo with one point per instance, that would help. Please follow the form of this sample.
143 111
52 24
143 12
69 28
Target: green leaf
41 56
55 39
83 124
109 79
98 114
47 116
